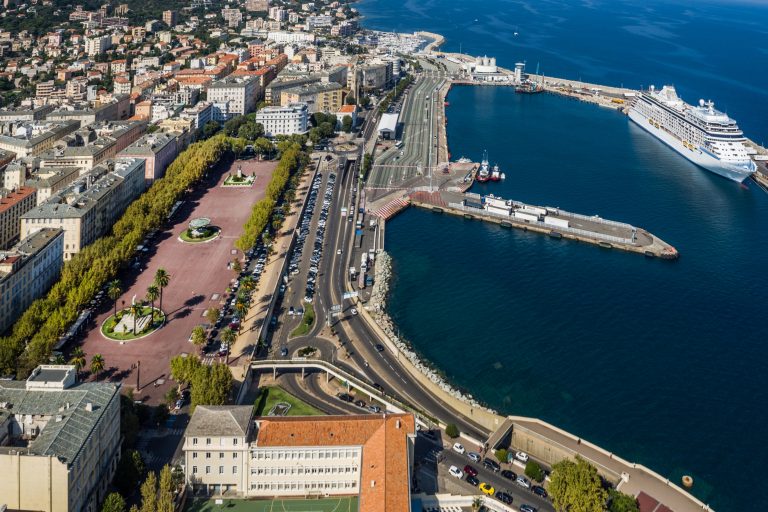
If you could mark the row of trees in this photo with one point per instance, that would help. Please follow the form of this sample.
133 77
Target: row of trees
36 331
292 159
210 385
157 495
394 94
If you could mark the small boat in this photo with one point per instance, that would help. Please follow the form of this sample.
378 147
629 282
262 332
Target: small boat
463 160
529 87
495 173
483 173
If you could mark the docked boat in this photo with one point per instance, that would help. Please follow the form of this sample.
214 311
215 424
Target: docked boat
463 160
529 87
705 136
483 173
495 173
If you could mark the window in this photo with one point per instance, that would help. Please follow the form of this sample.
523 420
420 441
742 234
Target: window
234 470
207 470
234 441
221 455
234 455
208 440
194 440
221 470
207 455
194 455
194 470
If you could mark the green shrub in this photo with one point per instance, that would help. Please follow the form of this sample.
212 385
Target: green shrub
534 471
452 431
502 454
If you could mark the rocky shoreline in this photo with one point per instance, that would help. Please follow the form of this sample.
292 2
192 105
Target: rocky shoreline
378 303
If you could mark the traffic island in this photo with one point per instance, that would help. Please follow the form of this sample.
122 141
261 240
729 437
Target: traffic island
126 327
200 230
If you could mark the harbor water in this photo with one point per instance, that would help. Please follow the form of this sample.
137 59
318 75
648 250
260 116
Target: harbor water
661 362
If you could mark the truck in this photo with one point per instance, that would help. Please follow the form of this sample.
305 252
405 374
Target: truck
527 217
361 281
352 273
364 262
359 224
343 211
368 280
556 221
372 256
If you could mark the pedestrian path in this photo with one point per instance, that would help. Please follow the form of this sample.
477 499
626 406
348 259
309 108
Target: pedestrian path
433 198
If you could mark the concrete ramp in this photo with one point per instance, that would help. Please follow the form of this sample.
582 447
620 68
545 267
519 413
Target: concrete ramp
501 433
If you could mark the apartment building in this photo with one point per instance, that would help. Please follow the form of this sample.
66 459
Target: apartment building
370 456
319 97
157 150
30 138
87 209
97 45
27 271
233 96
288 120
59 441
170 18
14 204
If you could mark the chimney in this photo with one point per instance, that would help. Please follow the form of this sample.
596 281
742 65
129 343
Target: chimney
89 407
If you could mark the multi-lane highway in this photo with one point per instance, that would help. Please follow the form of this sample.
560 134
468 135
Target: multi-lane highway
419 120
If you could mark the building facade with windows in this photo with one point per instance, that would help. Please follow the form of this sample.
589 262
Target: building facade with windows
27 271
288 120
59 441
233 96
226 450
87 209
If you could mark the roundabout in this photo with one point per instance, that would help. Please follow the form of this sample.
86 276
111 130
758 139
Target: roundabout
126 327
200 230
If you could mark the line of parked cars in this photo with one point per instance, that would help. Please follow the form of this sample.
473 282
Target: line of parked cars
317 251
346 397
469 474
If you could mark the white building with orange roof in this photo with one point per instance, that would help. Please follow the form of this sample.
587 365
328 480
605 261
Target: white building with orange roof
370 456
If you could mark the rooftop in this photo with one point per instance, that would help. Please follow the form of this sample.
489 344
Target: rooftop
384 484
68 415
14 197
219 420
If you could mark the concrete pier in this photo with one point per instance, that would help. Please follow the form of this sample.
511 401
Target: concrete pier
594 230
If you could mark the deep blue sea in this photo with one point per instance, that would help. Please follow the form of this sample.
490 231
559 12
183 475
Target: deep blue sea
664 363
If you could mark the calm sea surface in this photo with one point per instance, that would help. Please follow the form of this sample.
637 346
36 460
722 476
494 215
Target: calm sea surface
665 363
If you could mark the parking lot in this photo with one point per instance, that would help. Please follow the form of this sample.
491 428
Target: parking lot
200 275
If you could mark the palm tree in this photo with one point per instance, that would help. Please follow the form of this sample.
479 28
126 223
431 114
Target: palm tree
135 310
476 504
198 336
248 284
114 290
97 364
153 292
241 306
77 359
162 278
228 337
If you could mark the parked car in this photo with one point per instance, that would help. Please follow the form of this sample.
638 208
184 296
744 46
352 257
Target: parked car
492 465
509 474
473 480
527 508
521 456
360 403
454 471
459 448
539 491
503 497
487 489
475 457
470 470
374 409
523 482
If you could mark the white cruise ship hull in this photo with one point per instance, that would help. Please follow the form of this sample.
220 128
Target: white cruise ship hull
698 156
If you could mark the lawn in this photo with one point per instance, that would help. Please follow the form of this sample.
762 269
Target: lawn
340 504
107 328
272 395
306 322
211 233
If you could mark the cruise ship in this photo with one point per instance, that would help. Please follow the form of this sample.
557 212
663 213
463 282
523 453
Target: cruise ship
702 134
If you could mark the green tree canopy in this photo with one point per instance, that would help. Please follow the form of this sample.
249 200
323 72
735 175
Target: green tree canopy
620 502
576 487
113 503
346 124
